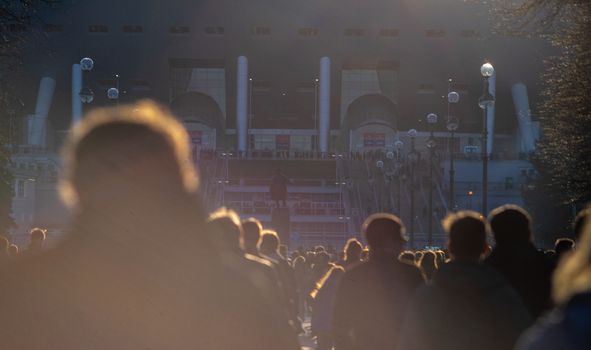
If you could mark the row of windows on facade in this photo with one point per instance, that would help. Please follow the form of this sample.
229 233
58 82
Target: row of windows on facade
39 167
255 31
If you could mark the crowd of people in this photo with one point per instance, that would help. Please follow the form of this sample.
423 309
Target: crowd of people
146 267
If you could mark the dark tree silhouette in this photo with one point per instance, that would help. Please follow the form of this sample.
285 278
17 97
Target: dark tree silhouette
563 156
20 27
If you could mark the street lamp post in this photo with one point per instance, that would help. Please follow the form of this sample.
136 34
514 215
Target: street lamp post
398 145
315 144
86 94
485 101
250 116
452 125
432 120
413 158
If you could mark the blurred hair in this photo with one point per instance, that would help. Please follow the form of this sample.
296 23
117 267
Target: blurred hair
228 223
467 234
510 224
109 139
269 241
299 263
407 256
37 234
352 249
563 245
581 220
381 227
573 275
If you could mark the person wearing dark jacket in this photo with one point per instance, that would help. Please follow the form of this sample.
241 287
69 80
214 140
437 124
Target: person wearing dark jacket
516 257
372 297
569 326
138 270
469 305
225 226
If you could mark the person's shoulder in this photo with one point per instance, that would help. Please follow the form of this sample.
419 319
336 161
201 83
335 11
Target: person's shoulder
255 260
409 269
355 272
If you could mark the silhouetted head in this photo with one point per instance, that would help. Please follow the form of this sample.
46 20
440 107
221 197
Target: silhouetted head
581 220
319 249
269 243
299 264
322 259
135 154
384 234
511 225
467 235
418 256
563 246
36 238
407 256
226 222
428 264
251 234
13 250
4 244
353 250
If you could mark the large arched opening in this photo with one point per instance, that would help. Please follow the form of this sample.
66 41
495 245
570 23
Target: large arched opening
202 117
370 123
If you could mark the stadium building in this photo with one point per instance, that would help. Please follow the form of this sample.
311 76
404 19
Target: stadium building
325 90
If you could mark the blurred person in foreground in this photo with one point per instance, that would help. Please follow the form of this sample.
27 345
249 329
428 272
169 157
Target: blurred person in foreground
138 271
515 256
568 327
468 305
372 297
4 253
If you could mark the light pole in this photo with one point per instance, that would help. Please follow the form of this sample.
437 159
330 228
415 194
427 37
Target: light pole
452 125
413 157
432 120
398 145
86 94
380 165
250 116
486 100
315 145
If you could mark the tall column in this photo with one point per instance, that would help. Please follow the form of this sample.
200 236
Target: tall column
490 117
521 102
38 121
324 102
76 87
242 103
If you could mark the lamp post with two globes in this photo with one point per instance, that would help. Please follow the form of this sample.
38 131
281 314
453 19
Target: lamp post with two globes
431 144
452 125
86 94
413 157
484 102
